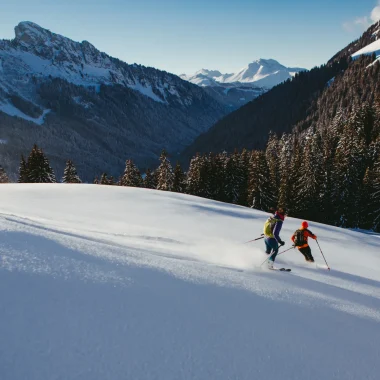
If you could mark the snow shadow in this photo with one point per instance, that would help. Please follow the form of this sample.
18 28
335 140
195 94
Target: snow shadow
226 211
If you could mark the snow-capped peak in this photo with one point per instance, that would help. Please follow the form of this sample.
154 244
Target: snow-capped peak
262 73
209 73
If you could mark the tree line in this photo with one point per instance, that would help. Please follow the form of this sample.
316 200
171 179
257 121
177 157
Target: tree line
329 175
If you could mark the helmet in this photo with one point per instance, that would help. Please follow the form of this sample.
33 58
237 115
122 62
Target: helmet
305 224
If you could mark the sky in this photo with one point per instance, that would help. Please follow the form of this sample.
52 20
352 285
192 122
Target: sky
183 36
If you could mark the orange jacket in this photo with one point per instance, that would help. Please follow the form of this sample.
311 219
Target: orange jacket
306 235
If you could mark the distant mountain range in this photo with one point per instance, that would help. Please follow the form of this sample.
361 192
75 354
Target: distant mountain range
247 84
310 100
80 103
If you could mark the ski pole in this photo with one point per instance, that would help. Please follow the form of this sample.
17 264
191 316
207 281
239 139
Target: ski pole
261 237
286 250
322 254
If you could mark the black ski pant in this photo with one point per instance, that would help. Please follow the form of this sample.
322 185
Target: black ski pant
306 251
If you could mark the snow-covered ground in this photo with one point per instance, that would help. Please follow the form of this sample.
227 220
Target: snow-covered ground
106 282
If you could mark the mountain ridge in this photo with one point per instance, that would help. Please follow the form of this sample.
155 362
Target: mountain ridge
97 102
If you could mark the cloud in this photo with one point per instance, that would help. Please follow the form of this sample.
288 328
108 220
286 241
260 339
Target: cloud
364 22
375 14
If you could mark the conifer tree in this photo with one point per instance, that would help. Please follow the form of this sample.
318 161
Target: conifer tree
70 174
215 176
233 178
39 170
104 179
272 153
308 177
3 176
198 181
131 176
243 165
260 190
375 194
349 170
96 180
23 171
286 195
149 180
179 184
165 175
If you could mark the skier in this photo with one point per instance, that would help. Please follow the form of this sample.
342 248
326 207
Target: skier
299 239
272 228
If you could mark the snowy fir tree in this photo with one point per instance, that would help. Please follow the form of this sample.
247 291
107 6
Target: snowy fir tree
260 190
131 176
3 175
104 179
96 180
179 182
23 171
38 167
150 181
70 174
165 175
197 181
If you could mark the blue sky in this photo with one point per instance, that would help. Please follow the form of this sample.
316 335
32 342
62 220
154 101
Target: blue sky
182 36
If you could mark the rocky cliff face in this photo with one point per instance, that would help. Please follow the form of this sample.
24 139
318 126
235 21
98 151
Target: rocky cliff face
87 102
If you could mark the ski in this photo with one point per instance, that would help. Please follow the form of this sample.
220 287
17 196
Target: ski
282 269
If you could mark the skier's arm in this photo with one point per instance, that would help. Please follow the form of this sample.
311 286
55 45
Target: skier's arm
310 234
293 237
276 232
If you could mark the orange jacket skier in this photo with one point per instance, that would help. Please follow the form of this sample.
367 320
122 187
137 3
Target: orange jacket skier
299 239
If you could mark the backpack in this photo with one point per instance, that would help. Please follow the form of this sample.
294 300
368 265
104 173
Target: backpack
299 238
269 226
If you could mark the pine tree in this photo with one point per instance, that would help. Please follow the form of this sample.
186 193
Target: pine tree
215 176
150 180
272 153
349 171
3 176
234 177
104 179
368 209
179 182
198 180
70 174
96 180
39 170
242 196
309 177
260 189
23 171
375 195
165 173
131 176
286 161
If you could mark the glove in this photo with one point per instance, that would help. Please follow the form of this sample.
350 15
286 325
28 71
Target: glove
281 243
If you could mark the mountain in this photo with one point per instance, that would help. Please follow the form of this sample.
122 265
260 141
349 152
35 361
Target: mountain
263 73
147 297
240 88
80 103
311 98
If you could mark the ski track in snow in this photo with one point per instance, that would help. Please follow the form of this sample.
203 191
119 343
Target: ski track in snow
141 285
188 269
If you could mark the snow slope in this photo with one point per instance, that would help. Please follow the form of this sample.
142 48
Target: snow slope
374 47
101 282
